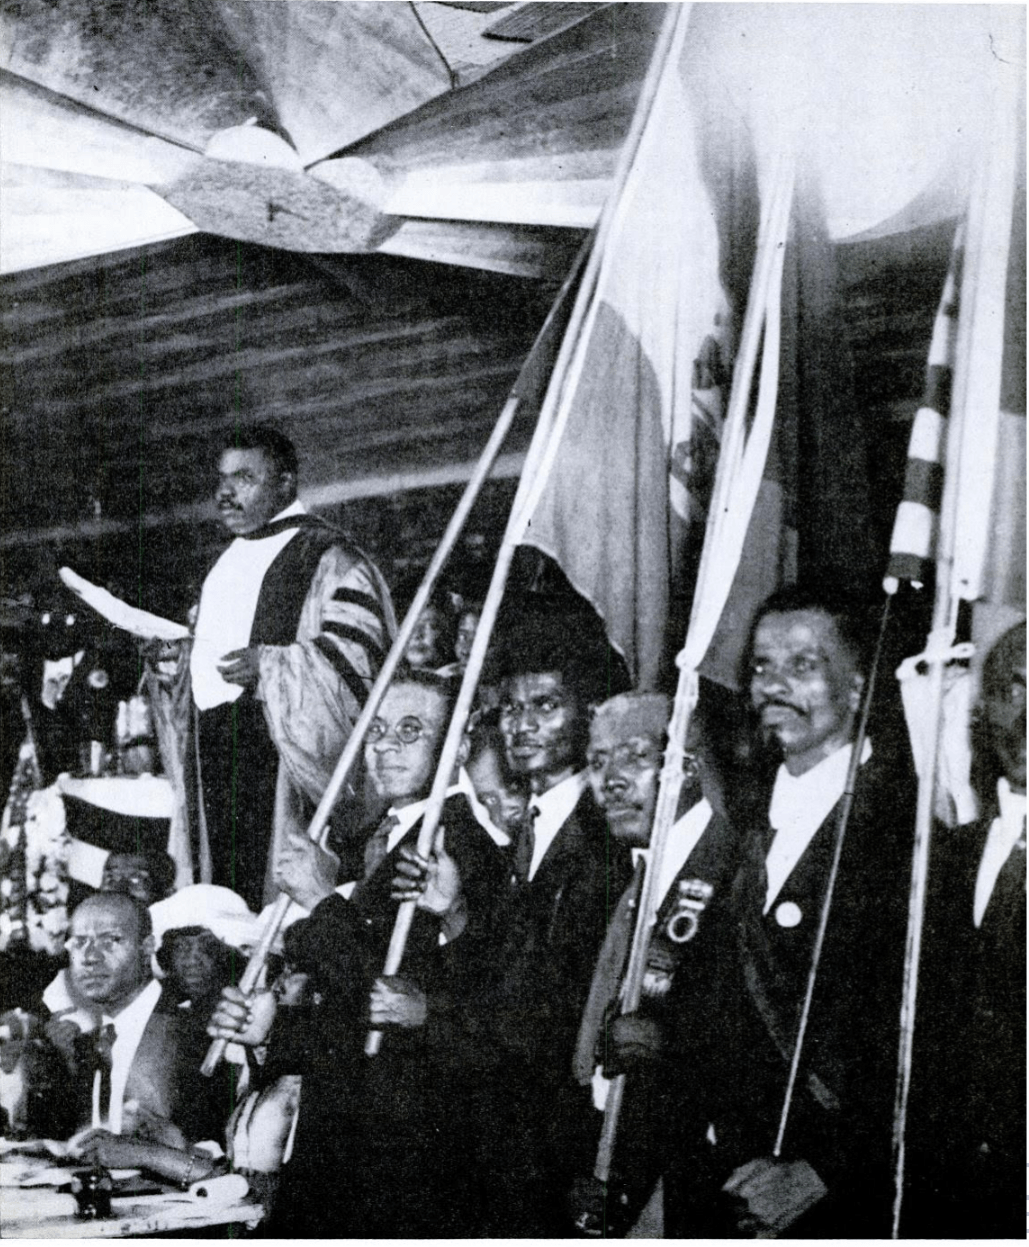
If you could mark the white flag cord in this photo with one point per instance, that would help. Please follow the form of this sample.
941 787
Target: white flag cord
977 365
738 477
538 465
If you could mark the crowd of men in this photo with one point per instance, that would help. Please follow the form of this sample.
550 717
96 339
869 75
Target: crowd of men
504 1033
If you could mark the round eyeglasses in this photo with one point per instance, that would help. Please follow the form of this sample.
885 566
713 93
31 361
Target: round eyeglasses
407 731
106 941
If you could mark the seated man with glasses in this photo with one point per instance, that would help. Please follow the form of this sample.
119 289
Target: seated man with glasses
385 1144
132 1067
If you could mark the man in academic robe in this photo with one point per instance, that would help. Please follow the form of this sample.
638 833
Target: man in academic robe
966 1117
739 1008
628 736
385 1145
292 626
567 874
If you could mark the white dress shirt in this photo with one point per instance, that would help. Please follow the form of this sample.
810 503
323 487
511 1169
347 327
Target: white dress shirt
228 603
1005 832
682 840
553 810
129 1026
800 805
408 815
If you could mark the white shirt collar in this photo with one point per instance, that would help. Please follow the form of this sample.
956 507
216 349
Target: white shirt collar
682 840
228 604
1005 832
408 815
554 808
800 805
129 1026
296 507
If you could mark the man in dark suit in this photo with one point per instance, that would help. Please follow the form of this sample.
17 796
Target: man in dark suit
566 876
120 1049
628 736
385 1145
967 1110
739 1007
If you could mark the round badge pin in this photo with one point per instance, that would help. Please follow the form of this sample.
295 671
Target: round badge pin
788 914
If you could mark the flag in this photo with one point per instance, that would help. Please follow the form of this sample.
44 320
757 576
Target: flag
915 530
641 406
811 517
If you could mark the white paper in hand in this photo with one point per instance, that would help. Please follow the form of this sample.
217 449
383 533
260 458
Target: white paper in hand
121 614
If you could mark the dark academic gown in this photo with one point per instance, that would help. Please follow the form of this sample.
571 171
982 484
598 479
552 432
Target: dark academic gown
738 1011
385 1145
965 1172
266 758
541 1121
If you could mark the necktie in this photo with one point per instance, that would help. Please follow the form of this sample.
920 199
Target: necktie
377 848
525 845
103 1060
607 978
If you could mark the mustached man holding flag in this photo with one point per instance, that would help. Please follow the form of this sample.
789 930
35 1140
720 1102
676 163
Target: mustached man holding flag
738 1007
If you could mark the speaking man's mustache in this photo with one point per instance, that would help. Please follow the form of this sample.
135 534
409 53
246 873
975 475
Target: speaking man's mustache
782 703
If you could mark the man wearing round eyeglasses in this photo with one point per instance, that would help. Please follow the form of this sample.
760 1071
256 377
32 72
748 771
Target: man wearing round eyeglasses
385 1146
134 1051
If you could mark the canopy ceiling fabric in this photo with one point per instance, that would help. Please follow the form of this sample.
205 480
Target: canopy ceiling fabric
425 130
241 128
385 371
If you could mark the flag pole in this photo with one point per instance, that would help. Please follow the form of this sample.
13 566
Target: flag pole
729 513
842 820
977 363
526 384
538 465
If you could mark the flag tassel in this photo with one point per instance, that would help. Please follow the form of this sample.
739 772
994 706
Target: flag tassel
978 350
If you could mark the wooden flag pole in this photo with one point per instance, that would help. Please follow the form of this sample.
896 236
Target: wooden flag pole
764 291
538 464
842 820
529 378
977 360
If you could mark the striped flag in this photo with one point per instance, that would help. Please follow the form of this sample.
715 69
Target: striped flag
640 412
913 543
